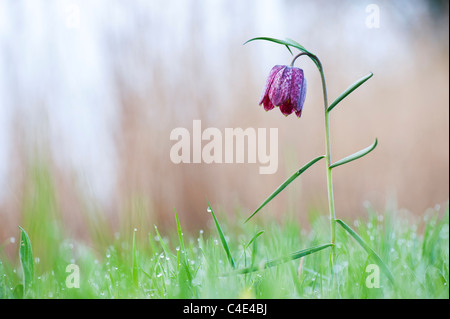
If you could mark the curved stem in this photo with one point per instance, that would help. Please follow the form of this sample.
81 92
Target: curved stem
328 163
327 152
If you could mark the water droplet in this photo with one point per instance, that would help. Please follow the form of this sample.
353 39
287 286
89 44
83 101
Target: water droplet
201 231
159 275
208 210
108 255
12 240
37 260
135 229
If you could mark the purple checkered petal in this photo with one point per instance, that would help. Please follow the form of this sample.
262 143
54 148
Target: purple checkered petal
269 82
280 88
296 87
301 100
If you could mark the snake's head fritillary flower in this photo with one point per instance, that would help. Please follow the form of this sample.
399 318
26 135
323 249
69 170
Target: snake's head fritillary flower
285 88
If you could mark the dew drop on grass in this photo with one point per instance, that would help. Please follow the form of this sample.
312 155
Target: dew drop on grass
208 210
12 240
135 229
37 260
159 275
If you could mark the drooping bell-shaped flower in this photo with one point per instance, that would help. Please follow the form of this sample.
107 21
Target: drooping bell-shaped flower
285 88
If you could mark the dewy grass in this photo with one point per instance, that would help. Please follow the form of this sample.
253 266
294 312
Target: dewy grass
417 254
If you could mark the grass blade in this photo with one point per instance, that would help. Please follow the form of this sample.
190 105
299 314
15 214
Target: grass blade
275 262
356 155
285 184
26 260
182 248
222 237
367 248
350 89
161 242
254 237
180 233
135 267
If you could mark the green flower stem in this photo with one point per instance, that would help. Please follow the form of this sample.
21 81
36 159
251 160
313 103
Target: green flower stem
328 164
316 60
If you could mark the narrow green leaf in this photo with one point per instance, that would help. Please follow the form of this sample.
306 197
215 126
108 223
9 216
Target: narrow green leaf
135 267
350 89
356 155
285 184
163 245
222 237
297 45
182 248
254 237
275 262
367 248
289 49
180 233
287 43
302 48
26 260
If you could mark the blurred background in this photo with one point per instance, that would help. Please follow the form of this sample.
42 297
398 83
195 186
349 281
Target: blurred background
90 91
